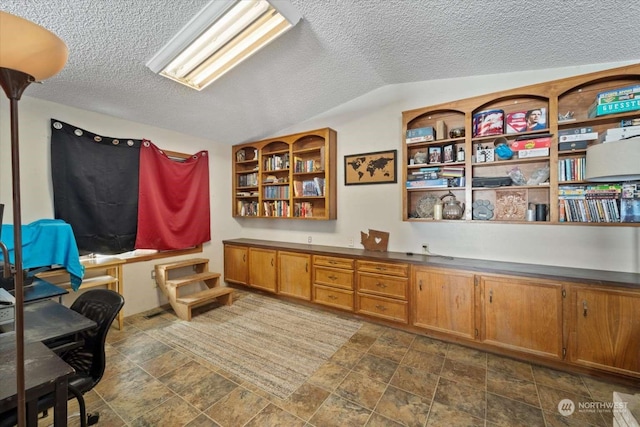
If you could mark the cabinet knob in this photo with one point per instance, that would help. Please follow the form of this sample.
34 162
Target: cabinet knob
381 307
584 308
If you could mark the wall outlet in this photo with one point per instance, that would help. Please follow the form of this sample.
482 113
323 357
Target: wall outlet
425 248
309 239
351 242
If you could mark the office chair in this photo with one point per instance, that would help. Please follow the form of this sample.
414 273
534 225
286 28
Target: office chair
89 359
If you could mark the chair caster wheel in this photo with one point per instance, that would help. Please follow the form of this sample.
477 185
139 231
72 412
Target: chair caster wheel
93 419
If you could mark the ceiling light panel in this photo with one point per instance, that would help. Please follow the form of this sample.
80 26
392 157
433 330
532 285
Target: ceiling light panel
221 36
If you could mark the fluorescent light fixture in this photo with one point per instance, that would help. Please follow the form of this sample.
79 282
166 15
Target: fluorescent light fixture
222 35
614 161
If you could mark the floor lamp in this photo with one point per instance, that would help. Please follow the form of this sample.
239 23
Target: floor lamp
28 53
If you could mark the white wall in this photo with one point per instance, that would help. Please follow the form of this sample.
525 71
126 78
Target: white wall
369 123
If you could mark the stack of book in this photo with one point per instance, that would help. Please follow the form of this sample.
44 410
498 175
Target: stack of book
591 203
303 210
278 208
571 169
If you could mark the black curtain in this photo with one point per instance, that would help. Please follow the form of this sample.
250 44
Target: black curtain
95 187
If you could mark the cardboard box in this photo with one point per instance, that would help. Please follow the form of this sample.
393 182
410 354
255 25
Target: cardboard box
621 94
528 144
579 137
515 122
424 134
615 107
534 152
575 131
615 134
573 145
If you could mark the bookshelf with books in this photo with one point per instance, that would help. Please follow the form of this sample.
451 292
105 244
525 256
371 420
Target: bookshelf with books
295 177
522 147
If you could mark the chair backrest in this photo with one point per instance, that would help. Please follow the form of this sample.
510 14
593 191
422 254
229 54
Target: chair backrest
102 306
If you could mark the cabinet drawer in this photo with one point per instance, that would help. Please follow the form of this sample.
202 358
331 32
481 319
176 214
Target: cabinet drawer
334 262
401 270
379 284
333 277
333 297
384 308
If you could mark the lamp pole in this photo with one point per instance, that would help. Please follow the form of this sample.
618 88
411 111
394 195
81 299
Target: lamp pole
14 83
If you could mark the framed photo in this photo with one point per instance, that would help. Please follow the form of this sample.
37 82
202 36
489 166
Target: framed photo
378 167
448 153
435 154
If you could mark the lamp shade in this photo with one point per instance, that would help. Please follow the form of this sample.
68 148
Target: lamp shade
30 48
614 161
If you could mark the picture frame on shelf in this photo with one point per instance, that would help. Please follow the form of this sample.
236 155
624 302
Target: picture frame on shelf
240 155
379 167
448 153
435 154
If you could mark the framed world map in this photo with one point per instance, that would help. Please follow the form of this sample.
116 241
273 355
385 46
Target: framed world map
371 168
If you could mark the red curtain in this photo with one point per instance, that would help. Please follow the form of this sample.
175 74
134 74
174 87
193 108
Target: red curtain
173 202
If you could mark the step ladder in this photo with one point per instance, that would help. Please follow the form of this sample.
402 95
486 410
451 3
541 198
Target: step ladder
183 303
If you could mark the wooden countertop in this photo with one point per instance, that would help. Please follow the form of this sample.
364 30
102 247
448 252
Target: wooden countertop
550 272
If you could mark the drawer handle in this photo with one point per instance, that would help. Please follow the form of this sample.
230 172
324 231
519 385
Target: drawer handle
381 307
332 277
381 285
381 269
584 308
333 262
333 297
490 296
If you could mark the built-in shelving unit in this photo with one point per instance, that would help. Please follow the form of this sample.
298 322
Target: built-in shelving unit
564 166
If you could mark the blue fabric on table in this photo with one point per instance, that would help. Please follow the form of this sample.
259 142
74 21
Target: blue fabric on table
47 242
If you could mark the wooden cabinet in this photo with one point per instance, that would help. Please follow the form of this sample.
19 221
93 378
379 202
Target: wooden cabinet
262 269
522 314
480 124
545 315
333 281
444 301
605 329
236 261
383 290
292 176
294 274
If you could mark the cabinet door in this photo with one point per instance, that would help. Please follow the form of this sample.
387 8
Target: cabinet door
262 269
294 274
444 301
522 315
606 329
235 264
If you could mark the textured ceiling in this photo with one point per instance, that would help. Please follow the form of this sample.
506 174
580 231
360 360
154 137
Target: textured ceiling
341 50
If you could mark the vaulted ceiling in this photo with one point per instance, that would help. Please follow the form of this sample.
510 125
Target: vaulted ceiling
341 50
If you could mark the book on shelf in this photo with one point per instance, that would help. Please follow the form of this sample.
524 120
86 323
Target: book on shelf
319 185
297 188
427 183
303 210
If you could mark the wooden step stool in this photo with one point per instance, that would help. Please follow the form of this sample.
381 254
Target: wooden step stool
183 304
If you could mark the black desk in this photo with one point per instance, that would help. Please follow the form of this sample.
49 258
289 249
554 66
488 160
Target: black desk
48 321
40 289
45 373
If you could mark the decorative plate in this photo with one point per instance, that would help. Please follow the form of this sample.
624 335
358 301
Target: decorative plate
425 206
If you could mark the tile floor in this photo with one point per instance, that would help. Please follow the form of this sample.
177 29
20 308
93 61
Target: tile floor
381 377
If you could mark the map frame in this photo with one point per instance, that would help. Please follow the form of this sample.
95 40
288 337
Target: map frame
361 168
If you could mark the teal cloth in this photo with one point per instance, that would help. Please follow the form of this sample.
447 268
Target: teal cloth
47 242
